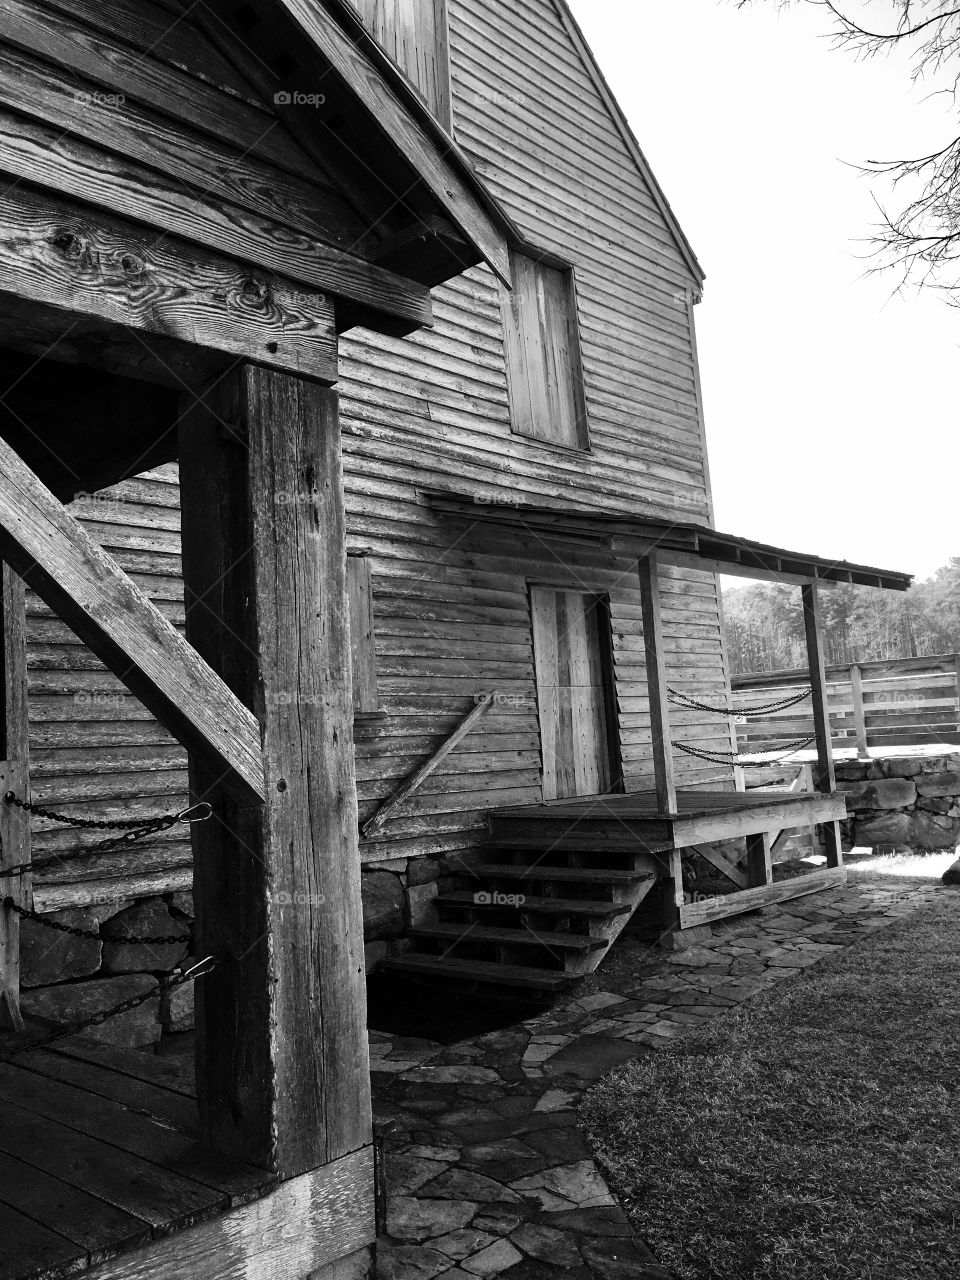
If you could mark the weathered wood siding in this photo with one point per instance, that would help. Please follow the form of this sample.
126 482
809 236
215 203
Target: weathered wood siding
432 412
95 749
451 609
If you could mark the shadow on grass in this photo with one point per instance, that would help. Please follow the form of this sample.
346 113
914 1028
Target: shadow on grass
814 1134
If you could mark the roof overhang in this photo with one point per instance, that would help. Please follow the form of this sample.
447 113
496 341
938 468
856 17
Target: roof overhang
688 546
335 29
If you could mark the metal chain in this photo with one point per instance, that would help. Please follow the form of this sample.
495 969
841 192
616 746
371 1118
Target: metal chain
124 1006
134 940
684 699
130 835
735 757
160 823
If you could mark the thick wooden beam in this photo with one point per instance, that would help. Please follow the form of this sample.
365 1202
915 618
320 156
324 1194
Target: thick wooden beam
824 778
859 719
427 155
14 849
759 859
14 776
800 811
72 574
657 684
283 1073
767 895
717 858
62 255
300 1229
47 156
625 545
671 891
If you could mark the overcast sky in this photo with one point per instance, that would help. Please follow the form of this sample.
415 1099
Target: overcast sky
832 407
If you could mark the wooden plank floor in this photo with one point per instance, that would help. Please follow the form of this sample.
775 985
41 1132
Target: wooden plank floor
98 1155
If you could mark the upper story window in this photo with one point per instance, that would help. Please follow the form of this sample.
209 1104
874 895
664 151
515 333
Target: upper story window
414 33
542 341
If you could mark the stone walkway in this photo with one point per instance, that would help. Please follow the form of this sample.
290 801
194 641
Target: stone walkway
488 1174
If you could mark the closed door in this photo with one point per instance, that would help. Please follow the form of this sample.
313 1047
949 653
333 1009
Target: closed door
571 644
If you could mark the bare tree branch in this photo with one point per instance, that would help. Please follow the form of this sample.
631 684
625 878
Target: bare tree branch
921 239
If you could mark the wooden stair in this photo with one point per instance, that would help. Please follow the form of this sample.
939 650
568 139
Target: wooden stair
536 920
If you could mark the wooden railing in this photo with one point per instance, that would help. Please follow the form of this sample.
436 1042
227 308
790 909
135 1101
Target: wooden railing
893 702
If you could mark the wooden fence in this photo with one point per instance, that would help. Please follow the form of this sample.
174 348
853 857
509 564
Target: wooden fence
896 702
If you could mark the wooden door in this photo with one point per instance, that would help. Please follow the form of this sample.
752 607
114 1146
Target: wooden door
574 689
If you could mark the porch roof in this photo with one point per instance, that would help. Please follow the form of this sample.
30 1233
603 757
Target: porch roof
675 542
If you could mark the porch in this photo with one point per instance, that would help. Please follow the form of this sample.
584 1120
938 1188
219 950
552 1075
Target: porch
99 1156
558 880
561 879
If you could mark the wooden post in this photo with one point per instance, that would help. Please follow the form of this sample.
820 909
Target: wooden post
824 779
282 1064
859 720
672 890
657 684
956 675
759 859
14 776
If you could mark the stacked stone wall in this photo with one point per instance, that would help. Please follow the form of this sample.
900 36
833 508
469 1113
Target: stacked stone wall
903 803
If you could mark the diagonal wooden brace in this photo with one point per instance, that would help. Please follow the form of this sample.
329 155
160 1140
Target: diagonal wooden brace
89 590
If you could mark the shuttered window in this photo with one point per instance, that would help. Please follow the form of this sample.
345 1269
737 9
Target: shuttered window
543 354
365 695
414 33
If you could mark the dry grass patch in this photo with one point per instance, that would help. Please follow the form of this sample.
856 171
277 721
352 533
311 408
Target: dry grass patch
812 1135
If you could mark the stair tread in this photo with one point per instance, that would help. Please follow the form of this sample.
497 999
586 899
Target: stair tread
510 975
543 871
509 937
552 906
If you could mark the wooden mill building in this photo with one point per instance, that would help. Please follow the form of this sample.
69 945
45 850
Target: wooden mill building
353 461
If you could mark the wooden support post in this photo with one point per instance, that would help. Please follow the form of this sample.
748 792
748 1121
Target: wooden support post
823 775
956 676
759 859
859 719
282 1064
824 779
14 776
657 684
672 888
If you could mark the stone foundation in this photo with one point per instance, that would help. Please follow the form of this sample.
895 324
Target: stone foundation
902 803
397 895
66 978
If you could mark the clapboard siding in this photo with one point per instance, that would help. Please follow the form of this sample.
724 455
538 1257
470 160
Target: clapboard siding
431 412
95 750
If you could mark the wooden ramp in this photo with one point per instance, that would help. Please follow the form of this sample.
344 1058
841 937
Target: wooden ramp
561 880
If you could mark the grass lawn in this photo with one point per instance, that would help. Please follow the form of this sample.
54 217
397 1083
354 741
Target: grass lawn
812 1135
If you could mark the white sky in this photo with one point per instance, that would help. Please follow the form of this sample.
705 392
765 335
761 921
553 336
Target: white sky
831 406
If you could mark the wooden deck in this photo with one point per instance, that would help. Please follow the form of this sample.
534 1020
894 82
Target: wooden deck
98 1156
624 821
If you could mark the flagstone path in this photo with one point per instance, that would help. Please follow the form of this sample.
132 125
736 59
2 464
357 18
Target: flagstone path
487 1172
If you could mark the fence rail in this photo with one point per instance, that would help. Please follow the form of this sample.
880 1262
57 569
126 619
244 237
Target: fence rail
884 703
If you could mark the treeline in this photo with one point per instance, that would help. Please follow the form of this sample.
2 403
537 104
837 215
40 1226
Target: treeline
764 622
